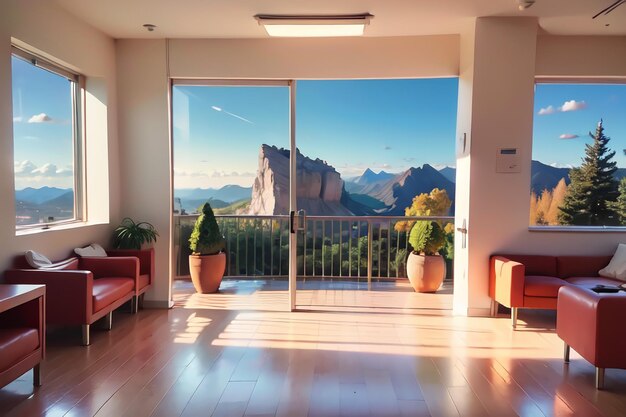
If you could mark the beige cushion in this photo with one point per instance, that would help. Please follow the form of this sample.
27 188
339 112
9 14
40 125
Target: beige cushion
617 267
93 250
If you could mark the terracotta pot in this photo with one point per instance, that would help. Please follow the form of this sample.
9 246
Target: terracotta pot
207 271
426 273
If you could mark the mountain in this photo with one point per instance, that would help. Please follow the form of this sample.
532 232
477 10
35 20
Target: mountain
320 187
449 173
398 193
367 182
40 195
544 176
228 193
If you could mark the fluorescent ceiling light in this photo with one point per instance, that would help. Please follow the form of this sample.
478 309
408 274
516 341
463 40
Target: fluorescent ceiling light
314 26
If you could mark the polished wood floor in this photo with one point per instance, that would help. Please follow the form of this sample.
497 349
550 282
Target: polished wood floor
384 352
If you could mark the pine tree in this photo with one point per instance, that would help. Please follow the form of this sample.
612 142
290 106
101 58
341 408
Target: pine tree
620 204
593 189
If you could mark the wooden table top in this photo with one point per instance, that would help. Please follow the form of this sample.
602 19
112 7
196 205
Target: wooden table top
14 295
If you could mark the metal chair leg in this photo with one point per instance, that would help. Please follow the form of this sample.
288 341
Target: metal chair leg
37 375
600 378
86 335
514 317
566 353
108 324
136 305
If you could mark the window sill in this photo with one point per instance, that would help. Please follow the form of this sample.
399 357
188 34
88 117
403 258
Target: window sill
55 227
578 229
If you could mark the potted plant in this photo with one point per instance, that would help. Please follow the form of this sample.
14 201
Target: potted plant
131 235
426 267
207 261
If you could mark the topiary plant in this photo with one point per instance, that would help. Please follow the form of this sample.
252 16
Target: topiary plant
427 237
206 238
131 235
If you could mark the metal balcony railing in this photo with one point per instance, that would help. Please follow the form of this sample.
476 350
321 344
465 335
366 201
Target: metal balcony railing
368 247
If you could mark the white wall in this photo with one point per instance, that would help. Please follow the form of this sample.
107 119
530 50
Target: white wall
316 58
581 56
52 31
145 149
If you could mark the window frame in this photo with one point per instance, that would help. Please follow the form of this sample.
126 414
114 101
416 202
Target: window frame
78 82
573 80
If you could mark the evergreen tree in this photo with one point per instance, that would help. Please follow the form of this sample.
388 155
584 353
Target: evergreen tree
592 192
620 205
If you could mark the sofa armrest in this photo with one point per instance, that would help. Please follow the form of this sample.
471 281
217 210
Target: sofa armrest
506 281
106 267
69 294
145 256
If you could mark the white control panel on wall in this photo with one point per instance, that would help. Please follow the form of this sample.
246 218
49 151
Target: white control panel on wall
508 160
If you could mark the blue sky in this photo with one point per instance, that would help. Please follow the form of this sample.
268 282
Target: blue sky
353 125
566 113
42 128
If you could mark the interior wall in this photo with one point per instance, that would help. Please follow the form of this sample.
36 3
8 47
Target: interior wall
53 32
309 58
581 56
145 149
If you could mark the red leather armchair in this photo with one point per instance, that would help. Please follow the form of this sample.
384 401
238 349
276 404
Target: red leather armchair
82 290
146 271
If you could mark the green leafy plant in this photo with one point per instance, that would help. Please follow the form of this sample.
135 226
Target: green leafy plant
427 237
206 238
131 235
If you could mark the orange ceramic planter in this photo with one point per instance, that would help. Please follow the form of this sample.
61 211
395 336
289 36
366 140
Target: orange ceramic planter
207 272
426 273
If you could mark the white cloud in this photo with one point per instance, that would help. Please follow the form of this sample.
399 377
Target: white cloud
387 148
17 119
40 118
29 169
547 110
568 136
573 105
24 168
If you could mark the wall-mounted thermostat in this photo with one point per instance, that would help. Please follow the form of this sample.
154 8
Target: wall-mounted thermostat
508 160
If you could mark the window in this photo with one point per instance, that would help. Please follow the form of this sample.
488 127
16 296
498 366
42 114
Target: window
47 142
579 155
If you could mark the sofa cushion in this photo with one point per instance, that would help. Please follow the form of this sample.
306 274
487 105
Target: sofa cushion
536 264
542 286
590 282
617 266
16 344
581 266
108 290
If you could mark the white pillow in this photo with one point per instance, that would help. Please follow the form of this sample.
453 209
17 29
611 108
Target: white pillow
617 267
37 260
93 250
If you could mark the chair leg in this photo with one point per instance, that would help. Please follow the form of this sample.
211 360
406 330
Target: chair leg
37 375
600 378
514 317
566 353
108 323
494 308
86 335
135 304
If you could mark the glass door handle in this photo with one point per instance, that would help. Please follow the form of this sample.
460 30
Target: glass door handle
297 221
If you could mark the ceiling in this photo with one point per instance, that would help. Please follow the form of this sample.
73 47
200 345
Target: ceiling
234 18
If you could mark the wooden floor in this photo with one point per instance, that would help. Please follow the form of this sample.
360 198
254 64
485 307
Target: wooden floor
238 354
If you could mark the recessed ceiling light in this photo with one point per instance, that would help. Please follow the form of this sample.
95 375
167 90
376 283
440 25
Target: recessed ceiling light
314 26
150 27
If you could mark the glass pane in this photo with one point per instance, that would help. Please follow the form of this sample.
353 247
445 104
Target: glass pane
231 149
579 155
43 131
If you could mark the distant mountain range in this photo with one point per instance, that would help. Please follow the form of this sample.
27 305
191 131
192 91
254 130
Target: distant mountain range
35 204
191 198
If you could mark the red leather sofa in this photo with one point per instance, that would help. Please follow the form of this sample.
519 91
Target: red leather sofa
589 323
533 281
22 331
146 271
82 290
